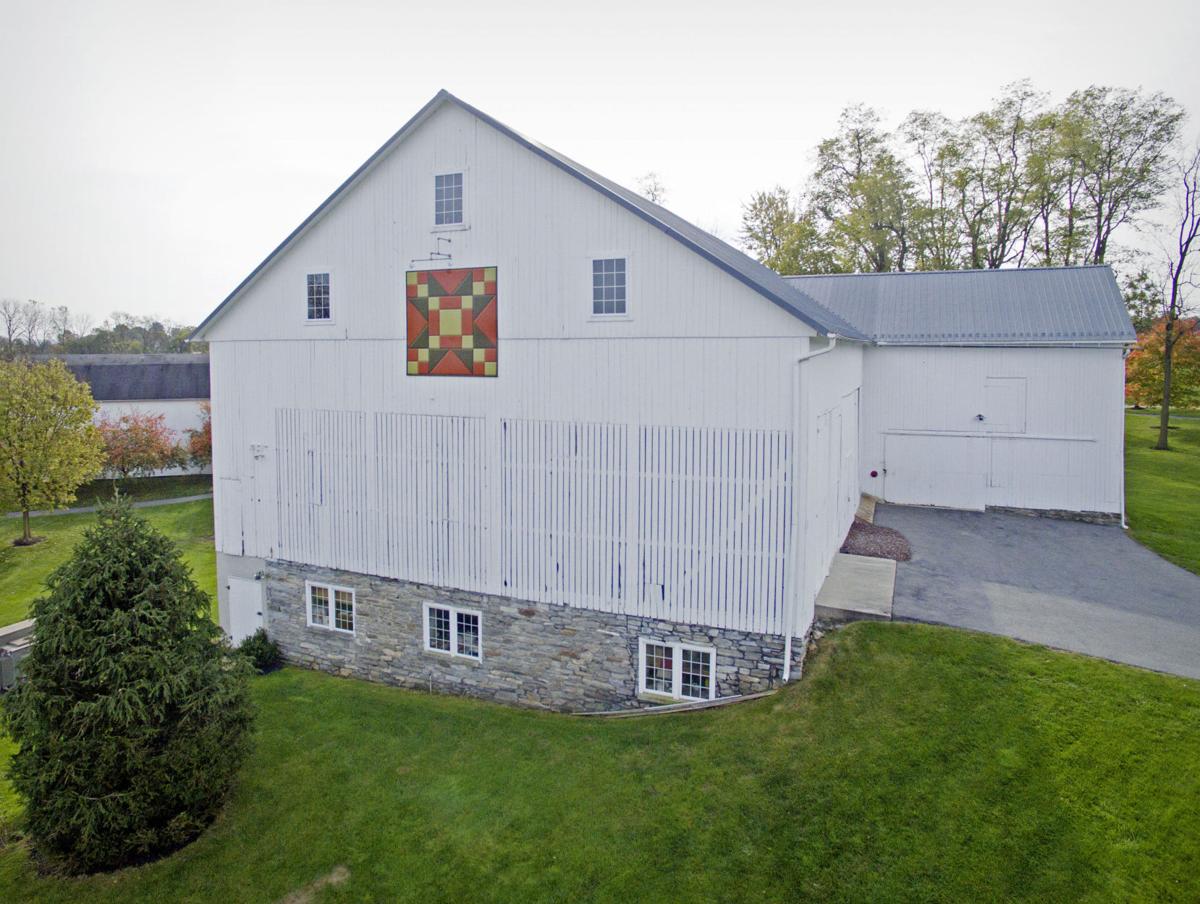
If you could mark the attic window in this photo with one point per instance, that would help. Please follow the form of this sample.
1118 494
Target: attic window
448 199
608 286
318 296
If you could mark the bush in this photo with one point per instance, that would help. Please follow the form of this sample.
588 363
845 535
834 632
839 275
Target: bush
137 445
260 651
133 717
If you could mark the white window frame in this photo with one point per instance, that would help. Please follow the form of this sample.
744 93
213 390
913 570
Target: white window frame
454 611
677 649
332 589
627 314
313 272
466 200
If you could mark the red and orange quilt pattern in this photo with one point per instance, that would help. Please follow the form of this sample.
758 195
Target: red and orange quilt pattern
452 322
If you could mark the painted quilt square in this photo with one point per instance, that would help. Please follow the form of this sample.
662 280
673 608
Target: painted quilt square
452 322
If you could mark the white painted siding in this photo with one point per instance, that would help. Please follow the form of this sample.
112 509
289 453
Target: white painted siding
1051 435
644 465
829 427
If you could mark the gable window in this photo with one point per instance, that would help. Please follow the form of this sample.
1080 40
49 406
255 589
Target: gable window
458 632
448 199
330 607
318 296
676 670
608 286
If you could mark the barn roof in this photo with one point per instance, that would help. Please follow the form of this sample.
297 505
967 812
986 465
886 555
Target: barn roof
761 279
128 378
1028 306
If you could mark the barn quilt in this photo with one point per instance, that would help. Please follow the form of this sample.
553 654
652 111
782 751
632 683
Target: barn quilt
452 322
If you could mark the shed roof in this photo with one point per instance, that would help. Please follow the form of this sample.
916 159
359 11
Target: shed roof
761 279
128 378
1028 306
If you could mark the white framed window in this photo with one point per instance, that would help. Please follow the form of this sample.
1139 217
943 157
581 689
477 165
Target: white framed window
454 631
610 286
448 199
329 607
680 671
318 309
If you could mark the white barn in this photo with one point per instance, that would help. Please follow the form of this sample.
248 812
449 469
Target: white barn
488 422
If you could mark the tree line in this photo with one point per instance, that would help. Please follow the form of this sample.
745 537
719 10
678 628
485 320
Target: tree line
1021 183
31 328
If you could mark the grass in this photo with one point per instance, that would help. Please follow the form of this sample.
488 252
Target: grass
143 488
23 570
1162 489
910 763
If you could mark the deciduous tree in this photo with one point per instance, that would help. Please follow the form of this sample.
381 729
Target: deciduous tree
199 442
1144 367
48 444
138 444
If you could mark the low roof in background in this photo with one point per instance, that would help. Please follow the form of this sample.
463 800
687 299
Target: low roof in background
1028 306
132 378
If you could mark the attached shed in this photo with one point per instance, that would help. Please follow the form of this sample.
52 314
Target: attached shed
990 389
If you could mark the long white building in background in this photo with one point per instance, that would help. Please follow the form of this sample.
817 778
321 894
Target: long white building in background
489 422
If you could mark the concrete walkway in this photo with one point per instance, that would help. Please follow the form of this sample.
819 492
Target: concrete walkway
145 503
1082 587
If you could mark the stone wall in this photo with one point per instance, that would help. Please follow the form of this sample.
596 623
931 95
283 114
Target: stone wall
534 654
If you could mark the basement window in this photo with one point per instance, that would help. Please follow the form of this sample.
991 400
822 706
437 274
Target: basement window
330 607
676 670
457 632
318 296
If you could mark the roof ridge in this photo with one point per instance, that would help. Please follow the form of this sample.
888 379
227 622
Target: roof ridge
952 272
742 267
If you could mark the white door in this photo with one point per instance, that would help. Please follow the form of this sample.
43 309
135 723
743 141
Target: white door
245 608
928 469
1004 405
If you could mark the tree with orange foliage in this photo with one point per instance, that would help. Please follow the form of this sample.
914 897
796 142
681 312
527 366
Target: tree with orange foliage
136 445
1144 367
200 440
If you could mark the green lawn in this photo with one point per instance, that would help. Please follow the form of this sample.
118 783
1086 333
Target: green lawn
24 569
910 763
1162 489
140 488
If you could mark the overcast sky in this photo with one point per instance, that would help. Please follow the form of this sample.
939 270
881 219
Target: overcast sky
154 152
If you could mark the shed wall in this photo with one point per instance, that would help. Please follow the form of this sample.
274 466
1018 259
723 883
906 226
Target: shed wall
1051 437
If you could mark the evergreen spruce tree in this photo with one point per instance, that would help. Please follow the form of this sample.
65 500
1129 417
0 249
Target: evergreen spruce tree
133 717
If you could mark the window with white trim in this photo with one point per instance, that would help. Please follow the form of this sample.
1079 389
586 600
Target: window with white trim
318 296
330 607
457 632
608 286
448 199
677 670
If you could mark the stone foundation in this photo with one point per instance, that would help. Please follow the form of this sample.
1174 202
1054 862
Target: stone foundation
1060 514
534 654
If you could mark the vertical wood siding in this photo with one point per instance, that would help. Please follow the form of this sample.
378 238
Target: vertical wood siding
687 524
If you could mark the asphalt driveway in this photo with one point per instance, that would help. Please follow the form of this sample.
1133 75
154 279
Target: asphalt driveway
1082 587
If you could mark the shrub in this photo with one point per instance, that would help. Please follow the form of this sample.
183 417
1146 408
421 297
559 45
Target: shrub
260 651
137 445
133 717
199 443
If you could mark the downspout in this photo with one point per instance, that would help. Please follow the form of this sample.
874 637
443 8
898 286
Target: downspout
800 494
1124 356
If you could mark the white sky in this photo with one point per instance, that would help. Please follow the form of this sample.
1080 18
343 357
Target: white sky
154 152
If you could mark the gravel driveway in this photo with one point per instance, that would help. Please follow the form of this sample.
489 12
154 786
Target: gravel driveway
1081 587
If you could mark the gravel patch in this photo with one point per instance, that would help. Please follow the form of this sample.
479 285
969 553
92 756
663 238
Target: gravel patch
876 541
